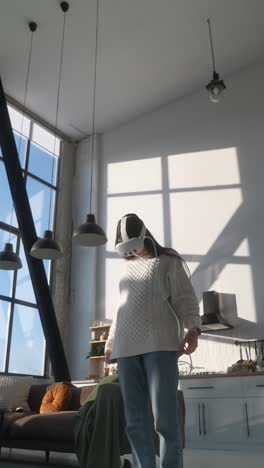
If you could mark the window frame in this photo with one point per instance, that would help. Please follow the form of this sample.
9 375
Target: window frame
12 300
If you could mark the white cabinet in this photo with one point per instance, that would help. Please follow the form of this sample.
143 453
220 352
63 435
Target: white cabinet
193 427
255 415
224 421
214 420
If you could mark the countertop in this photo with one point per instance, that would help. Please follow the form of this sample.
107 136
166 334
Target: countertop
223 374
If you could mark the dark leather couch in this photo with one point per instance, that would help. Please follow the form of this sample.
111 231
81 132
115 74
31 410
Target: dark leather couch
47 432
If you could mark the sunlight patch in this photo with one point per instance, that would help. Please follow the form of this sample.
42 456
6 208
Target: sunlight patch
204 169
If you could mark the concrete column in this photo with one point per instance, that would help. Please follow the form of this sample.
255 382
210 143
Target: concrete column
83 273
63 235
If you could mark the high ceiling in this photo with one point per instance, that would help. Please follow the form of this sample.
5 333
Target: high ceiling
150 52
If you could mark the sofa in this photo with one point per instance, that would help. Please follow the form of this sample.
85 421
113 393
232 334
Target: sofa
55 432
48 432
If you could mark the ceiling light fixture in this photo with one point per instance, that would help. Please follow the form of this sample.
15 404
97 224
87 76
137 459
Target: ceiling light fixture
216 86
46 248
90 233
10 260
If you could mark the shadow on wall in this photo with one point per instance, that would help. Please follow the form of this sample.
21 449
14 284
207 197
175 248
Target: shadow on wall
198 207
246 223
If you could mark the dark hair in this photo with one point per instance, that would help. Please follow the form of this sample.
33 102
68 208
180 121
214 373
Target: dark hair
134 226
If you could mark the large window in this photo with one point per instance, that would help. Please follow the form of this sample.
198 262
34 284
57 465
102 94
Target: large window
22 342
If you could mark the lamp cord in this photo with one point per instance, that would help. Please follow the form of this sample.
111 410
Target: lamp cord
57 112
22 120
211 42
94 96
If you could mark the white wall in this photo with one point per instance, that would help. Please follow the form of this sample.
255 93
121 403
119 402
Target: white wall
193 171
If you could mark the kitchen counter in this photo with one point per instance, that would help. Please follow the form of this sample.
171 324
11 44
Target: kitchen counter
224 413
221 374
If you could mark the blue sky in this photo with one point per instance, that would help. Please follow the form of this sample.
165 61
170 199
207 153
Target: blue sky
27 351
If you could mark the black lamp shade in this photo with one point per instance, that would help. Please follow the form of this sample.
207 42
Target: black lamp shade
9 260
46 248
90 233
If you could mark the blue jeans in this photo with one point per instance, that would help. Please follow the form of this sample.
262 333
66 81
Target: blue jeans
155 376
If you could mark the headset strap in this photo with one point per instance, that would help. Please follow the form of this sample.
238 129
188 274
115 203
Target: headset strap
124 231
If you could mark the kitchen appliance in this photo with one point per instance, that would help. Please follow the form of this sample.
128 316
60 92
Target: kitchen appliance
220 311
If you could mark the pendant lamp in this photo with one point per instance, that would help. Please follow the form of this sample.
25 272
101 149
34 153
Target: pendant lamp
90 233
46 248
216 86
10 260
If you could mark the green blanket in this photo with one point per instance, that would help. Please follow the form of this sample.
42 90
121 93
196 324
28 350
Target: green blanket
100 436
100 430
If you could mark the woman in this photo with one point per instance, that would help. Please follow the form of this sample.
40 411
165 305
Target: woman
157 302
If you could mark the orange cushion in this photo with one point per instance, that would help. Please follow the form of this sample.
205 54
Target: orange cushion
57 398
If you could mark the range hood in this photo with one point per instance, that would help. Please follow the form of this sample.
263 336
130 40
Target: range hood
219 311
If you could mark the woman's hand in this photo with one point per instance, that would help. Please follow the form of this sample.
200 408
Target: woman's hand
108 356
190 342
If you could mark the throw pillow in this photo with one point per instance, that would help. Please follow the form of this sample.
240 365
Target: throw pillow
105 380
14 392
57 398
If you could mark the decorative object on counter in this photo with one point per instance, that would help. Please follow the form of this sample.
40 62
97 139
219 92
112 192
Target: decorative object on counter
224 375
260 354
243 366
204 373
252 347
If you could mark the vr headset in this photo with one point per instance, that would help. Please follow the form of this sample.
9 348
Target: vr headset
130 246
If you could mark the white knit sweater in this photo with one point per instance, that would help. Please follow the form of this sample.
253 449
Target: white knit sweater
144 322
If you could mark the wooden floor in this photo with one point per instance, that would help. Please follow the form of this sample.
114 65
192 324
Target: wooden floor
192 459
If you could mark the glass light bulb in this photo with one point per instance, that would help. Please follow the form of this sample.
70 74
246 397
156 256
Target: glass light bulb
214 97
215 94
215 88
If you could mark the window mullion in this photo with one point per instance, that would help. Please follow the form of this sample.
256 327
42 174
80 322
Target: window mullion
9 335
27 160
12 300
